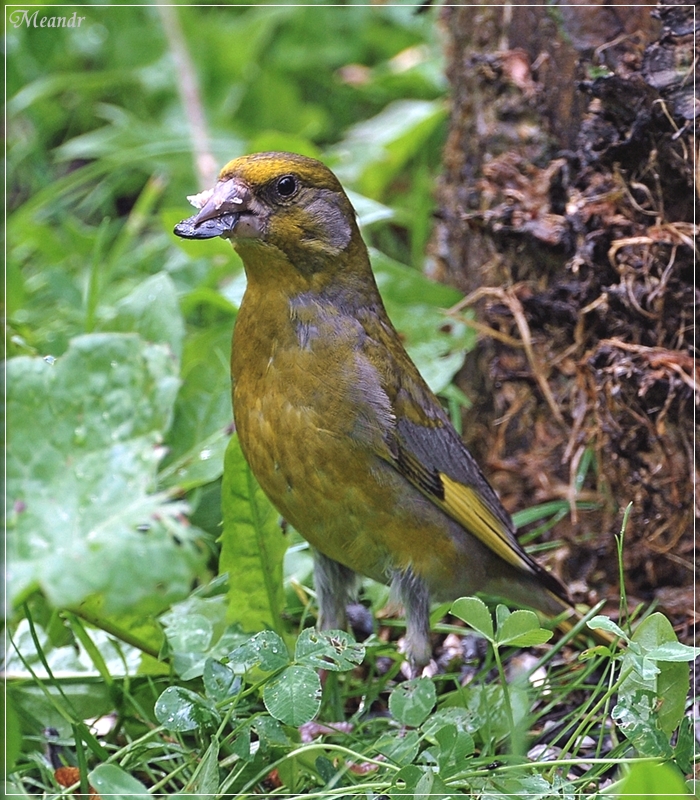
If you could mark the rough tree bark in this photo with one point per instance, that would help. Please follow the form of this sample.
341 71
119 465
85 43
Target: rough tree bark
566 215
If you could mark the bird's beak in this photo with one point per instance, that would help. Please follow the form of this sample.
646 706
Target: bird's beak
220 209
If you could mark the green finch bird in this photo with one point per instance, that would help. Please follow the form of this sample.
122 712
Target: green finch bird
337 425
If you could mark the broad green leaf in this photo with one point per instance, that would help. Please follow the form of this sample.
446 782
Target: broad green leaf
252 547
326 769
336 651
487 720
152 311
69 659
401 750
201 465
220 682
202 412
82 698
474 612
369 211
82 459
131 630
412 701
684 749
270 732
637 717
431 785
197 631
453 748
405 781
266 650
294 696
523 784
189 639
645 780
13 732
673 651
522 629
460 718
666 685
179 709
374 150
603 623
241 744
109 780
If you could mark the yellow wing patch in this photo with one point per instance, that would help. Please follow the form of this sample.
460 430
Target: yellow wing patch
464 505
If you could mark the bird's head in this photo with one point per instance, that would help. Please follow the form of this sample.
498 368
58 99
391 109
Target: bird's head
280 209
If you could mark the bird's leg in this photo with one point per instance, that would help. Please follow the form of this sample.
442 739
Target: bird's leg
415 599
335 587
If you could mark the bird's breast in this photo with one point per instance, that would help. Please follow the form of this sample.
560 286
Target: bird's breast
310 416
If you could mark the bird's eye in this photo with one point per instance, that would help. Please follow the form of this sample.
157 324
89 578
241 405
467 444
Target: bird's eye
286 186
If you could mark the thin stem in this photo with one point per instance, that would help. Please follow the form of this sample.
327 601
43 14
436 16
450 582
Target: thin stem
190 96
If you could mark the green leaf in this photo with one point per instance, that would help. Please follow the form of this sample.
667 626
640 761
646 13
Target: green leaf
664 683
266 650
484 715
201 465
474 612
405 782
270 732
68 658
205 782
454 747
336 651
197 439
460 718
13 732
431 785
645 780
522 629
241 744
375 150
685 746
636 716
412 701
178 709
189 639
294 696
326 769
603 623
252 547
220 682
196 630
369 211
401 750
81 469
109 780
152 311
673 651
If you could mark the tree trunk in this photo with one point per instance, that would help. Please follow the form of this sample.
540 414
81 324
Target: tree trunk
566 215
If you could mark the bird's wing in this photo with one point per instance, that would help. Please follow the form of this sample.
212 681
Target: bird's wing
426 449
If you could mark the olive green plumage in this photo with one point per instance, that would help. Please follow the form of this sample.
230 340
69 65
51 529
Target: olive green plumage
338 426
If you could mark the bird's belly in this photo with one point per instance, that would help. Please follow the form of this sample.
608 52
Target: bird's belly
345 500
315 480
